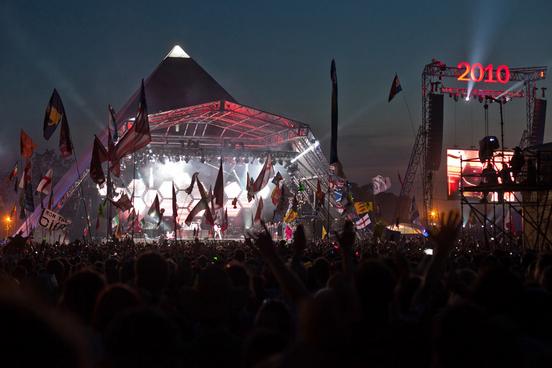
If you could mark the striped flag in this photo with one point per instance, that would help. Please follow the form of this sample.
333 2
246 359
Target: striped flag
259 212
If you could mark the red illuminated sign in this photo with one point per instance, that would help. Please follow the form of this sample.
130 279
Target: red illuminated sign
477 73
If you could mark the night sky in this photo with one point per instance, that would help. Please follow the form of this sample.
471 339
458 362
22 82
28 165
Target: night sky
274 56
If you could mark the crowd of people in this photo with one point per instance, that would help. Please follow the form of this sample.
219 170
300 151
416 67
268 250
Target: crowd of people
260 303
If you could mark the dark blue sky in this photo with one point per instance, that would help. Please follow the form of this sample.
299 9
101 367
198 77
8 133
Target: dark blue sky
271 55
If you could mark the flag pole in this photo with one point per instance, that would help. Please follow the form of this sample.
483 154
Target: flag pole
80 188
109 186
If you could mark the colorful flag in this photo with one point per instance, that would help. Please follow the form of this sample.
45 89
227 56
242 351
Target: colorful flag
362 222
219 189
113 119
262 180
363 207
55 114
99 155
276 195
27 145
381 184
45 185
138 136
395 88
65 144
291 214
259 212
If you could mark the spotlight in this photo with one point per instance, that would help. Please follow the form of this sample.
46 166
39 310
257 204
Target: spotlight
186 159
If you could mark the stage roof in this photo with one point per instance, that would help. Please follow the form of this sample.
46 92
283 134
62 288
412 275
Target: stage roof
177 82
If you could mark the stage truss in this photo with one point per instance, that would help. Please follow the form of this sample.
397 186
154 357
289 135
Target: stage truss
433 81
530 199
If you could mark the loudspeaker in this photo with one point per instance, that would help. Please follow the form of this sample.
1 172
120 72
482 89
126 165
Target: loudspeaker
434 131
539 117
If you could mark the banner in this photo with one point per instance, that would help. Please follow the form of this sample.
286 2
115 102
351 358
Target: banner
52 221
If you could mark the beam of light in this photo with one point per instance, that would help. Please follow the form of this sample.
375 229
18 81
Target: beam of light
309 149
489 21
513 87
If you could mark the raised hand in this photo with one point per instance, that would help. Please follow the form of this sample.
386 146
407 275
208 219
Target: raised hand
447 233
346 239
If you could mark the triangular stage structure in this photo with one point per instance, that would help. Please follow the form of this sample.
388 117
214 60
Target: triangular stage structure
186 104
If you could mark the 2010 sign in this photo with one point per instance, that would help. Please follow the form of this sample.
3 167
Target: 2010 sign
488 74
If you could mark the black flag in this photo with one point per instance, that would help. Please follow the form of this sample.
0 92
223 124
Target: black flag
99 155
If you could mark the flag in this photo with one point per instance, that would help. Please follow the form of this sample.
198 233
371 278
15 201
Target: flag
65 144
333 150
259 212
55 114
124 203
27 145
291 214
13 172
219 188
362 222
414 214
101 209
320 195
97 223
395 88
324 232
363 207
99 155
277 178
113 119
191 187
138 136
262 180
174 204
29 199
26 177
276 195
203 203
381 184
224 225
155 210
22 205
45 185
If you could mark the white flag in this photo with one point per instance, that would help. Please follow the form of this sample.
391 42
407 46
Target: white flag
381 184
362 222
45 184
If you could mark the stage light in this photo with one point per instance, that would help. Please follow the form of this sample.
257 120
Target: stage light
280 162
467 98
246 160
186 159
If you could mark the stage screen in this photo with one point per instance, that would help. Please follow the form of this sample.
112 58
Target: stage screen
466 161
